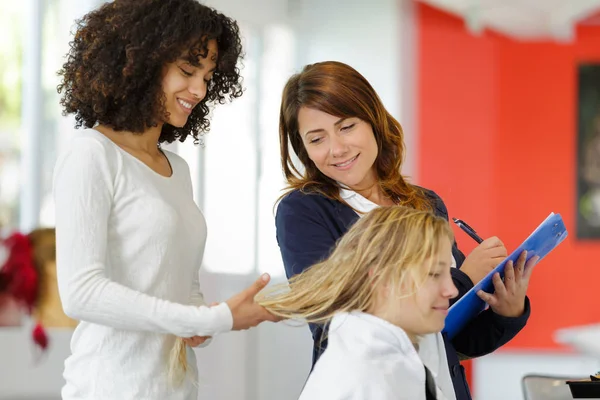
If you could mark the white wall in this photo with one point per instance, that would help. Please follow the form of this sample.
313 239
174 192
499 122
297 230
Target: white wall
25 373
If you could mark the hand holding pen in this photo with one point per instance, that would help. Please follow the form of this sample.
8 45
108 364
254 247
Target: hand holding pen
508 297
468 230
485 257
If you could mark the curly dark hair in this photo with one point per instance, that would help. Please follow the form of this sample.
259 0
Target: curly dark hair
113 71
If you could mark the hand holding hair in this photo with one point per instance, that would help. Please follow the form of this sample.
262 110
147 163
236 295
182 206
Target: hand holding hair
246 312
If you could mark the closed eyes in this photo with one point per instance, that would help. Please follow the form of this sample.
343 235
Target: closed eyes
185 72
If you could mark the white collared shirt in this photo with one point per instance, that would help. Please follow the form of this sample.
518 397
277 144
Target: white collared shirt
368 358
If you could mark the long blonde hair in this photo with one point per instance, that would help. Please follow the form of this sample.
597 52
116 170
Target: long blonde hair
389 246
178 365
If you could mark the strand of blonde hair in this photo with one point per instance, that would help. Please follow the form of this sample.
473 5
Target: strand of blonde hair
178 365
389 245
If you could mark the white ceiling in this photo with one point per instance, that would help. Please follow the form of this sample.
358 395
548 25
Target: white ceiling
522 19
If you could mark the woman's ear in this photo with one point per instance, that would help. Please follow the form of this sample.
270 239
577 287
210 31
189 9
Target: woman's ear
371 274
381 286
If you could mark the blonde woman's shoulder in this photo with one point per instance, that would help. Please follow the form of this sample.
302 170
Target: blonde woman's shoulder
353 379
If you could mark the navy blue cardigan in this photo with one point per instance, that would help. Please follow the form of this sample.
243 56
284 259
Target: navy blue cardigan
308 227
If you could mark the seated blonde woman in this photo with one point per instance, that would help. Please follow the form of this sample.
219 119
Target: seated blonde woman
384 290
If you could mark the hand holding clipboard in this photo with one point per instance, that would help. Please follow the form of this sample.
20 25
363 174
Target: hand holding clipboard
549 234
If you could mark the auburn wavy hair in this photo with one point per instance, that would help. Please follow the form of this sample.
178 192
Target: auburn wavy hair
338 89
113 73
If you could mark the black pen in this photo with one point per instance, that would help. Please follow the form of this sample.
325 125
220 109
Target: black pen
468 230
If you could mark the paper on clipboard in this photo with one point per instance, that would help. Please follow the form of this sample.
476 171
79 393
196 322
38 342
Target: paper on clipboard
549 234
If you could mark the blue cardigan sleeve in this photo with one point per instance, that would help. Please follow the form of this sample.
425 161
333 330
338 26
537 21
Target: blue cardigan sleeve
303 236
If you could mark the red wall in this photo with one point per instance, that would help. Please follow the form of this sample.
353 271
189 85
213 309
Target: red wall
497 134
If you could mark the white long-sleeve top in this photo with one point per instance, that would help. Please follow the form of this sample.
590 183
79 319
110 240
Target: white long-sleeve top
129 246
367 358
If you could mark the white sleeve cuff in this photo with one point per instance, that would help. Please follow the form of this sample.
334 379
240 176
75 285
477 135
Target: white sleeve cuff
223 318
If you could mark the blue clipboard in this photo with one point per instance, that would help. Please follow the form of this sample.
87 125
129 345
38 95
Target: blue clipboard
542 241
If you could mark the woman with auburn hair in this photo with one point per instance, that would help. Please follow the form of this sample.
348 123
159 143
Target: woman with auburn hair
351 151
129 236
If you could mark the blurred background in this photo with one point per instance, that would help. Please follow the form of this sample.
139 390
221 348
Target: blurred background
500 105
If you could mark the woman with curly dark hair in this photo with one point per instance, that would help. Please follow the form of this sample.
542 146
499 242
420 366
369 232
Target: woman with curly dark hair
130 238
